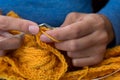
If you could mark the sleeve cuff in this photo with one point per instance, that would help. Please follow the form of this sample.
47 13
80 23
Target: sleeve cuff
111 11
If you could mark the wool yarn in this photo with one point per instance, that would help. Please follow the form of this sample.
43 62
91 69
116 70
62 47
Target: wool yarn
36 60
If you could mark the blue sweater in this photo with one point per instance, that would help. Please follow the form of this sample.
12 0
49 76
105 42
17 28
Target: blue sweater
54 12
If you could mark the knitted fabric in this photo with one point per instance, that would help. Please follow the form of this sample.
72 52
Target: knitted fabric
36 60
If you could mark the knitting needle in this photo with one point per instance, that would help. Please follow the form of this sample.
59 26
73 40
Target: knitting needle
21 33
100 78
49 27
46 25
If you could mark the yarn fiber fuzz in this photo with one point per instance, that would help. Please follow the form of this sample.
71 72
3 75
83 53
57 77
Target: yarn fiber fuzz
36 60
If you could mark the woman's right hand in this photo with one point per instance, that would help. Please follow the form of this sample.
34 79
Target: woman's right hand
10 23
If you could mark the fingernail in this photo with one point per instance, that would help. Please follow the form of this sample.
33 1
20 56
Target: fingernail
45 38
33 29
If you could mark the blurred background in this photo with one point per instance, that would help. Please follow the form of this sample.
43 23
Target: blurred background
98 4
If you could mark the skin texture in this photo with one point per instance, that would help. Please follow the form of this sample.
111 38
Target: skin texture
84 37
9 23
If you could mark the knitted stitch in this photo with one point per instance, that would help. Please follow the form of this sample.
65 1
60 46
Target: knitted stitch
36 60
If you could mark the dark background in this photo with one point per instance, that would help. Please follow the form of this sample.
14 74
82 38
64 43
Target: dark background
98 4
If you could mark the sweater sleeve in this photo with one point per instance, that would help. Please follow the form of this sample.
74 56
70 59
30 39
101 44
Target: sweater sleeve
112 12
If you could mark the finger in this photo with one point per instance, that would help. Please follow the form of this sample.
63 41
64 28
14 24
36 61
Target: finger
10 23
78 44
82 43
80 54
71 18
67 21
12 43
73 31
91 51
4 34
2 53
80 62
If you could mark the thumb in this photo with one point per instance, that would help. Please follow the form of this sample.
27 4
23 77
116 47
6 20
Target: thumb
72 18
10 23
67 21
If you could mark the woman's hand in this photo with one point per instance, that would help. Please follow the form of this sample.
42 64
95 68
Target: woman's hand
84 37
9 23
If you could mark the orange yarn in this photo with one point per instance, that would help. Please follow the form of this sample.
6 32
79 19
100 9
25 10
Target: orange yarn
36 60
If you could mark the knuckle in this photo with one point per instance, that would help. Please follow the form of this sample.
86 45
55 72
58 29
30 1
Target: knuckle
3 23
12 43
2 19
73 46
103 37
3 44
90 16
16 42
78 63
75 62
96 60
101 24
22 25
95 18
2 53
76 32
70 54
72 15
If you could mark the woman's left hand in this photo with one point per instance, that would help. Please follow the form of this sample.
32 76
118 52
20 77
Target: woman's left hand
84 37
